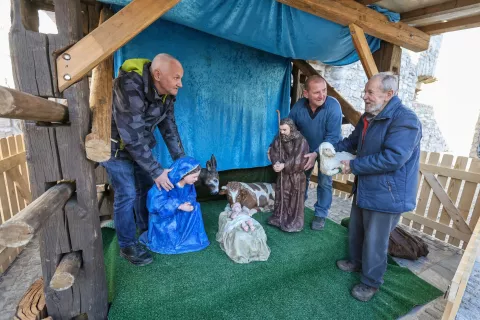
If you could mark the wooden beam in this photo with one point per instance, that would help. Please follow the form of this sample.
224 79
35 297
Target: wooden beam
450 10
363 50
452 173
437 226
74 63
12 161
453 25
19 105
21 228
67 271
348 110
368 2
345 12
97 143
448 205
388 58
462 275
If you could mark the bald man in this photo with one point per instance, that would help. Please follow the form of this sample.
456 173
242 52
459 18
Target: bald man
143 99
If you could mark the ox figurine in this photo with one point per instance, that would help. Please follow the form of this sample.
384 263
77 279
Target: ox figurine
255 196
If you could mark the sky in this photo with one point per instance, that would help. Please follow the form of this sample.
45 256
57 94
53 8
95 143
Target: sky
454 95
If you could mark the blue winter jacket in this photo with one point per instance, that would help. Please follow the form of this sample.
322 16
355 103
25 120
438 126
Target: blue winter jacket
387 162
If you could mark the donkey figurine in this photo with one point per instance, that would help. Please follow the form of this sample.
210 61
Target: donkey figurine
209 176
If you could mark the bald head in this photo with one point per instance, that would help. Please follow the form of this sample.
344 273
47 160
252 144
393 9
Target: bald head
167 73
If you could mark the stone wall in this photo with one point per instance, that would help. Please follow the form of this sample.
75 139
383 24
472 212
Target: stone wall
350 82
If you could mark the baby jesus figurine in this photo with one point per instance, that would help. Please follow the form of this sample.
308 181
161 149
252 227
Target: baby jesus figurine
238 210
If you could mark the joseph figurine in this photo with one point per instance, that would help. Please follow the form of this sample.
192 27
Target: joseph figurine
287 154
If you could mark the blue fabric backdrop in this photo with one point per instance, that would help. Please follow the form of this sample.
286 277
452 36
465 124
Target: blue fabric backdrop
230 94
271 26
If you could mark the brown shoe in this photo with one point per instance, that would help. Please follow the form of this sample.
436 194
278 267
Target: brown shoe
363 292
347 266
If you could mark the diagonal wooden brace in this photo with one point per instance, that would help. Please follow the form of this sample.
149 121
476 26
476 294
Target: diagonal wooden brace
83 56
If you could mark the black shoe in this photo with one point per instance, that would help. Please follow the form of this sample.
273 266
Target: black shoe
136 255
347 266
363 292
318 223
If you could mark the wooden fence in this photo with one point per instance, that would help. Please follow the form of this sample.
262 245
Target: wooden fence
448 206
14 188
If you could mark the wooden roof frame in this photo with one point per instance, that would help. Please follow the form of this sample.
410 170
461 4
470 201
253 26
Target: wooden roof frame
72 64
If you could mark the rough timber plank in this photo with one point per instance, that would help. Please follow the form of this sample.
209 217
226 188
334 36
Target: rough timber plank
42 157
12 195
89 295
363 50
454 193
435 201
447 203
29 54
345 12
388 58
453 25
424 195
23 167
444 11
108 37
476 209
98 142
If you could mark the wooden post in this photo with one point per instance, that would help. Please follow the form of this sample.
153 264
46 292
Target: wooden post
388 58
19 105
363 50
348 110
21 228
97 143
57 153
66 272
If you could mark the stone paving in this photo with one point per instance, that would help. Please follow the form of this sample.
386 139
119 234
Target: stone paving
438 269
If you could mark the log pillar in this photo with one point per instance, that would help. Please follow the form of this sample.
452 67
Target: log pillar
57 153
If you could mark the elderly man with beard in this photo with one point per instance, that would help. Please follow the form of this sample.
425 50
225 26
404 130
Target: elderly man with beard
318 117
287 153
387 143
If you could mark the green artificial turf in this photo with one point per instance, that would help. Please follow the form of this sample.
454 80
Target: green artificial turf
299 281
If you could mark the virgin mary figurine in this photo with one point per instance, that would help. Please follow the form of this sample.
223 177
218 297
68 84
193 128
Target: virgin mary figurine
175 219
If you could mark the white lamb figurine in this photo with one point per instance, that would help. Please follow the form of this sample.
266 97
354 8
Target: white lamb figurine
330 164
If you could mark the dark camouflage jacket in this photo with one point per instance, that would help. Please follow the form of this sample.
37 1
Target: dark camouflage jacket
137 110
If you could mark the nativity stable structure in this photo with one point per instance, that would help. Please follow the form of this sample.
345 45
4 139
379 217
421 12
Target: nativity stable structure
67 119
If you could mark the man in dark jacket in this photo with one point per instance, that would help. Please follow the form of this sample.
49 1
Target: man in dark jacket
387 143
143 99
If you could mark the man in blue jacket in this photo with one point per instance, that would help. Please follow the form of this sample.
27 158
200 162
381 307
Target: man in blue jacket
318 117
387 143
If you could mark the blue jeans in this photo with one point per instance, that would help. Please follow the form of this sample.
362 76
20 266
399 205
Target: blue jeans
368 236
130 184
324 192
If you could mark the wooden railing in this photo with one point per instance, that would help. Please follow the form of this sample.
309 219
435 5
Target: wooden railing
14 188
448 206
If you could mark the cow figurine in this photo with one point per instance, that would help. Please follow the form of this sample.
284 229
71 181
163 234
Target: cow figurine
209 176
255 196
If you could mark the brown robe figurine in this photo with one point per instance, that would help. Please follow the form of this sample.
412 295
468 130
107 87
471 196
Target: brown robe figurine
287 153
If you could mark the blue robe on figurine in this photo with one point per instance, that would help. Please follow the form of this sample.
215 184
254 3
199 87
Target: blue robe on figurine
170 230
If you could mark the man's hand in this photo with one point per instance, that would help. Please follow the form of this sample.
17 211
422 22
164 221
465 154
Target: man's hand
346 167
162 181
187 207
311 160
277 167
